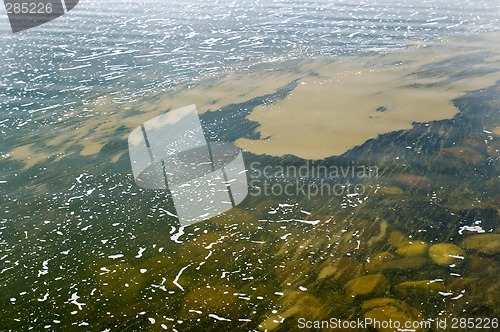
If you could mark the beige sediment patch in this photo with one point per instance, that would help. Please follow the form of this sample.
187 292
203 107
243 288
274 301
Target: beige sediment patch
95 125
90 134
356 99
235 88
91 149
117 157
333 110
326 118
27 154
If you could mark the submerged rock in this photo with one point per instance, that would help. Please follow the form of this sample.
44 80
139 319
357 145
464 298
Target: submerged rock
479 263
413 181
465 154
417 248
271 323
461 284
372 284
383 310
342 270
381 235
405 263
302 305
388 301
446 254
419 287
375 263
391 191
295 304
484 243
385 261
398 239
413 214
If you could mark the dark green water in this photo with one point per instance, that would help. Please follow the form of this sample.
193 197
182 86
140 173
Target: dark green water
410 232
248 263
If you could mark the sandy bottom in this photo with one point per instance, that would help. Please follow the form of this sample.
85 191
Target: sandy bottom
338 104
28 154
356 99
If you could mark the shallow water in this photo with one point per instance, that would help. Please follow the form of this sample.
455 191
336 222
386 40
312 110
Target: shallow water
82 247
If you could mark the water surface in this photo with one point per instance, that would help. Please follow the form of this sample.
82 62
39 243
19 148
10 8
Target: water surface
408 91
